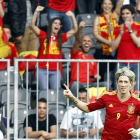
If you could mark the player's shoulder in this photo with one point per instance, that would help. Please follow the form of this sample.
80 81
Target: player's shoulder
110 93
135 96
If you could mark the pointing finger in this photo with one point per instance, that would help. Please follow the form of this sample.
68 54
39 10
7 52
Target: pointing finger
66 87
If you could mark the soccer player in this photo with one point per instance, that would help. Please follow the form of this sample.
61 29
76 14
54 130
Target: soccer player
122 107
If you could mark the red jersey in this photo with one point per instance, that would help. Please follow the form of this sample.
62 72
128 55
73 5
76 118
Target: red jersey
127 48
120 116
62 5
82 67
51 51
13 54
1 18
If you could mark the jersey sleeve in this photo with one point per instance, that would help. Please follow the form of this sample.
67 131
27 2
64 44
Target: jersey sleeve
52 120
42 34
138 33
64 38
116 32
97 104
138 108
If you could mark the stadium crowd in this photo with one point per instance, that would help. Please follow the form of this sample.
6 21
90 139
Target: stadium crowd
114 27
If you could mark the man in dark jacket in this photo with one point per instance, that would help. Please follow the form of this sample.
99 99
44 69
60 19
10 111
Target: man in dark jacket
20 15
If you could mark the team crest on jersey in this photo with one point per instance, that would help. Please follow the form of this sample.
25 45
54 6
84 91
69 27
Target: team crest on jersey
131 109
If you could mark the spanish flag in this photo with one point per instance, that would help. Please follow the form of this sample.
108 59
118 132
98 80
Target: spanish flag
93 92
31 65
5 50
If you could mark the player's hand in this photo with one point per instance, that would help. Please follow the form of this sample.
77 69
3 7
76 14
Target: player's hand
69 14
133 132
39 8
92 132
82 24
67 93
82 133
0 1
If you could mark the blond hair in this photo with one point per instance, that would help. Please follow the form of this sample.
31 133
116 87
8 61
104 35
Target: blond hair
125 72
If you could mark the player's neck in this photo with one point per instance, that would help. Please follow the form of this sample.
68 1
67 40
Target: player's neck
123 96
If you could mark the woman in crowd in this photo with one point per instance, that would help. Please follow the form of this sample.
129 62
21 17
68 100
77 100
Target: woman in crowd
51 48
103 31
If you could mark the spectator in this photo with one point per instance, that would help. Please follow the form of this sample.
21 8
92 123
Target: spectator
86 6
51 48
1 12
14 52
58 9
75 114
10 49
122 107
42 133
85 43
20 15
103 31
127 40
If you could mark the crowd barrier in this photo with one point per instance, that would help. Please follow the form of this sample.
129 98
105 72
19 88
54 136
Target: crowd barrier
13 133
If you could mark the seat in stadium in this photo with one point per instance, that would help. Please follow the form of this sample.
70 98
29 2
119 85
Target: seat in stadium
21 100
31 80
52 95
61 113
20 132
4 78
21 115
52 98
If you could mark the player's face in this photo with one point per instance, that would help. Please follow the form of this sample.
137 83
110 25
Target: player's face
123 84
83 97
86 44
8 32
107 6
127 15
42 110
56 26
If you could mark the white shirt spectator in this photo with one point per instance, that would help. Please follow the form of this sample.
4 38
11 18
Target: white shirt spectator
84 120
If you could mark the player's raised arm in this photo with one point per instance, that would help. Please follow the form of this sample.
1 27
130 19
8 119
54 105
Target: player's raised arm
81 105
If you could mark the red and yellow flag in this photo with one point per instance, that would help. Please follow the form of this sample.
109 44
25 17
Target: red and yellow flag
31 65
93 92
107 32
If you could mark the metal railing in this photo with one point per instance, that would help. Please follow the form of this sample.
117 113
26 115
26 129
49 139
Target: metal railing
16 85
